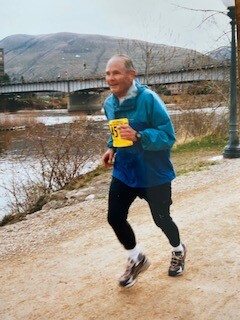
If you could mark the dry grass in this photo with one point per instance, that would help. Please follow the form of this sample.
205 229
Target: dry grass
9 122
195 155
186 101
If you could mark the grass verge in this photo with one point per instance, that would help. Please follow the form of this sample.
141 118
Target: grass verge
196 155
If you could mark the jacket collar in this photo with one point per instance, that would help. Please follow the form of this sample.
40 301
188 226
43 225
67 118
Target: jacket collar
132 92
129 103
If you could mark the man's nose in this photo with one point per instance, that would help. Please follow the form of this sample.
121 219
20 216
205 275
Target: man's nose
110 77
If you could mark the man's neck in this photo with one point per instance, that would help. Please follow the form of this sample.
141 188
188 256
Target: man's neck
132 92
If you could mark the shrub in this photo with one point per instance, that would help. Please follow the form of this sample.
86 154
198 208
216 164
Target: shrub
61 154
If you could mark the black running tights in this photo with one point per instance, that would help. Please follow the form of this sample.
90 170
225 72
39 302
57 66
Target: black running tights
159 200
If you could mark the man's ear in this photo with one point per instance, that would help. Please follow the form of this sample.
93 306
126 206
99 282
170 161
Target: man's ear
133 74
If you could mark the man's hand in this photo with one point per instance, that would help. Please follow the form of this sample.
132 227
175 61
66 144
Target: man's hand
127 132
107 158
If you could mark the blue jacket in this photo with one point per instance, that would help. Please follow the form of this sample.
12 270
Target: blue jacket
147 163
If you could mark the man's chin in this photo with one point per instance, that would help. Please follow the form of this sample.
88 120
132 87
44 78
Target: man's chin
114 91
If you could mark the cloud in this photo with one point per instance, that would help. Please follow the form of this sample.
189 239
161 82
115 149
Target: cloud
161 21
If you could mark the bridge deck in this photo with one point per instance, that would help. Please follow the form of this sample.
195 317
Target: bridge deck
72 85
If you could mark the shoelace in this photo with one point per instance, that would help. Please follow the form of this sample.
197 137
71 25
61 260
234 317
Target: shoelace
129 266
175 259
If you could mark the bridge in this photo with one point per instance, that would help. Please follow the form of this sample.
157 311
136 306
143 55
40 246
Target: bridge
85 93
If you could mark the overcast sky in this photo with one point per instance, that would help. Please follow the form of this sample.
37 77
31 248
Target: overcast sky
160 21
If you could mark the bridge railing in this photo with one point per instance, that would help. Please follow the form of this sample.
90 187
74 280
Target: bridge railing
212 72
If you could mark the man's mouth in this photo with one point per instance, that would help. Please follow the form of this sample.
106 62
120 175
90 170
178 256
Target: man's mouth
113 85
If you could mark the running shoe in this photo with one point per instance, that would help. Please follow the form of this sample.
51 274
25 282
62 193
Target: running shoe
132 271
177 263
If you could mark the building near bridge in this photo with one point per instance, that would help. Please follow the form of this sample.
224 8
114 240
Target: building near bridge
1 62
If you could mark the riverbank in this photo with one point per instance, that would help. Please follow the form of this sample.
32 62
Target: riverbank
192 156
13 104
63 261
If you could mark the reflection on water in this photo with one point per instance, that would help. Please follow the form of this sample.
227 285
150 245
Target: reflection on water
10 167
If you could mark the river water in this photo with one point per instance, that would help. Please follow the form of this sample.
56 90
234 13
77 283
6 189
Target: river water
13 162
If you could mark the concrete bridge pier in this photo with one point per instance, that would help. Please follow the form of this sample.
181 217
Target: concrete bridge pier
87 101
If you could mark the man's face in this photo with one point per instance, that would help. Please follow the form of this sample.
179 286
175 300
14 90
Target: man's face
118 78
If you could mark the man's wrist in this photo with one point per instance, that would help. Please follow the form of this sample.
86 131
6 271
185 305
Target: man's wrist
138 135
112 149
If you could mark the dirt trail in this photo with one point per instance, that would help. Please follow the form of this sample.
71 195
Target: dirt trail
72 274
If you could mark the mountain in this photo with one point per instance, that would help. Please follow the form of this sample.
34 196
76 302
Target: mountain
222 54
71 55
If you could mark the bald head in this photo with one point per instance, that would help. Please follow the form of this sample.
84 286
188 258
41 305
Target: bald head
120 74
126 60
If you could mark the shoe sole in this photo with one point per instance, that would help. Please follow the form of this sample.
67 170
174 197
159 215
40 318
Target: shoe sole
143 269
176 274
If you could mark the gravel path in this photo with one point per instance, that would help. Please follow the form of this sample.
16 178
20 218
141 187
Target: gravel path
63 261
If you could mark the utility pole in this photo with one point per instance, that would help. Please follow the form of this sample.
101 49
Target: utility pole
237 6
232 150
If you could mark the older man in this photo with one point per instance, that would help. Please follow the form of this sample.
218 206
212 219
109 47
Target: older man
142 170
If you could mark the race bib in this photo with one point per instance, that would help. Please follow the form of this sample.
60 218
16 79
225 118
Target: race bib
117 140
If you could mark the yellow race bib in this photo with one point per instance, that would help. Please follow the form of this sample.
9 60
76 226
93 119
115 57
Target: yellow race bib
117 140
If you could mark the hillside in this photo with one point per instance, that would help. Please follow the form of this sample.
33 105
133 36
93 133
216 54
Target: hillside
221 54
75 55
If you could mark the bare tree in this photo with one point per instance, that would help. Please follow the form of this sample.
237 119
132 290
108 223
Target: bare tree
154 58
149 58
59 154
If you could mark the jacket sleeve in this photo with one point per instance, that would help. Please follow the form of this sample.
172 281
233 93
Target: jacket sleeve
110 142
161 133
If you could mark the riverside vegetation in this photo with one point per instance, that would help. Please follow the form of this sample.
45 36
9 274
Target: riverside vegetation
61 159
189 156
